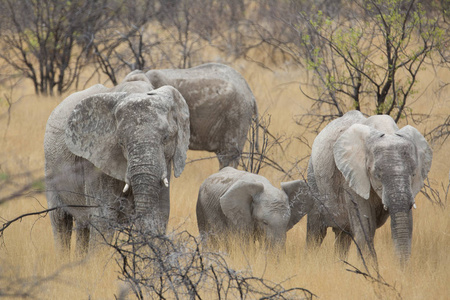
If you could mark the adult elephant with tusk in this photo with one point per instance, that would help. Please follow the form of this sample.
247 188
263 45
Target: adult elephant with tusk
361 171
221 107
113 149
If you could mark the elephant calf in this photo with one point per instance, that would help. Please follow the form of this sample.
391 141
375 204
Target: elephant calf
238 202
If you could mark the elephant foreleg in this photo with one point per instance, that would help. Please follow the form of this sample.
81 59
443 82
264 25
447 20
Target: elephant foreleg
82 244
62 224
362 222
164 207
342 243
315 231
229 157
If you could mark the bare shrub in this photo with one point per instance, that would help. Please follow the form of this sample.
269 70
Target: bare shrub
48 42
174 266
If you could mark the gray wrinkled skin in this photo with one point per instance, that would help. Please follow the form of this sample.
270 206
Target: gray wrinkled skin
238 202
361 171
221 106
100 139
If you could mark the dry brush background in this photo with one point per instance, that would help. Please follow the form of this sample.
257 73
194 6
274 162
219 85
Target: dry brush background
27 257
28 263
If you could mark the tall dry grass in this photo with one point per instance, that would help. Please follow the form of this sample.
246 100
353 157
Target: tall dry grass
27 256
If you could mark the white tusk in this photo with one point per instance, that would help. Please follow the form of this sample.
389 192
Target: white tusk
166 182
126 187
385 207
414 205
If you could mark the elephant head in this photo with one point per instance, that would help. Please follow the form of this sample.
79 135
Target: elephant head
133 137
389 163
263 210
134 82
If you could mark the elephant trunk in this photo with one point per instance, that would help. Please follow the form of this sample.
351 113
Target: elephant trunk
275 240
147 171
401 228
399 203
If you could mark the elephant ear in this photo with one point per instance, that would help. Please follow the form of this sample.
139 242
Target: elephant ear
300 200
350 158
236 202
424 153
91 133
180 112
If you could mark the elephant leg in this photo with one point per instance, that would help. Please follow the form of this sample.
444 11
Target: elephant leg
82 239
164 207
342 243
164 201
62 224
105 193
316 226
362 222
316 230
229 157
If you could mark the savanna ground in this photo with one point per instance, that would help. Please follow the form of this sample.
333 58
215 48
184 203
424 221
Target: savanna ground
27 253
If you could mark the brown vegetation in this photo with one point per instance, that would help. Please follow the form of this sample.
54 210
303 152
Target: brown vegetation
27 255
29 267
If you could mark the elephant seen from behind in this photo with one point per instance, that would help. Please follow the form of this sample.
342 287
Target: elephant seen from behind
247 205
362 171
221 106
113 149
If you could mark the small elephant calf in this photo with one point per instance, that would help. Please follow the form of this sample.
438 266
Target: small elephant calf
243 203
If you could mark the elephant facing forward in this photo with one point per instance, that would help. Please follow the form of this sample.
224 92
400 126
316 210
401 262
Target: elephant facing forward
361 171
221 107
99 141
246 204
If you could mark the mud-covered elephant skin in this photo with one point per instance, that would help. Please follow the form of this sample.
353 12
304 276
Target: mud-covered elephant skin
221 107
234 202
361 171
113 149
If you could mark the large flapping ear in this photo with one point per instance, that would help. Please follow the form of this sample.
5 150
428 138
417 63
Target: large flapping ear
424 153
300 200
236 202
350 158
180 113
91 133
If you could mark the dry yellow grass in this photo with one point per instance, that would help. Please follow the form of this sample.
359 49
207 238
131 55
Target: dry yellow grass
27 247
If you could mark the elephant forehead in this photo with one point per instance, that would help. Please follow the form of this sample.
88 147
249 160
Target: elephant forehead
383 123
392 143
274 198
141 104
398 153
